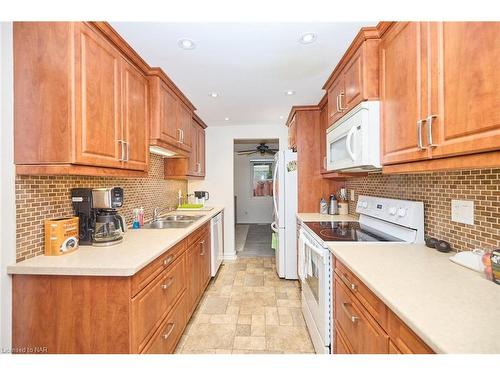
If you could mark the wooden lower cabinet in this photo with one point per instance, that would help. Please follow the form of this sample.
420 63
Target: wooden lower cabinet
363 324
143 313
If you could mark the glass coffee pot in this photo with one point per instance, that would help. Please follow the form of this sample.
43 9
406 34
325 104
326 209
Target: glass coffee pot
109 228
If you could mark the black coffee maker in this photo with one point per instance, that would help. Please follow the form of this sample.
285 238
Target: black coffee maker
100 223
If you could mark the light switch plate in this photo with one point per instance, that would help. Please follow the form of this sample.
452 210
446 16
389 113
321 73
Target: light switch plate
462 211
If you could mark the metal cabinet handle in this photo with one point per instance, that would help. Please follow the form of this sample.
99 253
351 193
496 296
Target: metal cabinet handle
122 157
169 283
182 135
338 106
179 138
348 282
324 162
167 334
429 129
340 102
352 318
202 250
419 135
168 260
127 150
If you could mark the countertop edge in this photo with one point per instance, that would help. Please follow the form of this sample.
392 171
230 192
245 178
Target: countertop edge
20 269
424 337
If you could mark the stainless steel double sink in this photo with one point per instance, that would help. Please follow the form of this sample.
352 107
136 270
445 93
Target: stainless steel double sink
173 221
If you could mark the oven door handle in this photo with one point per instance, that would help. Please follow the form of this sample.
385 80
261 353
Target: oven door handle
315 248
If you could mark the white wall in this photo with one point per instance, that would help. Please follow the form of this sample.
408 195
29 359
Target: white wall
249 209
219 179
7 184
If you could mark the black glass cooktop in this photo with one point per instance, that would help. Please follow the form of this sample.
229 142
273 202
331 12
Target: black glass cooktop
348 231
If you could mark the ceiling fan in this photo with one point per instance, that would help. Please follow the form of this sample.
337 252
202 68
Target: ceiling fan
261 148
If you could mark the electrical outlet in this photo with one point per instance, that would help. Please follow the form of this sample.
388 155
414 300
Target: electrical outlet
353 198
462 211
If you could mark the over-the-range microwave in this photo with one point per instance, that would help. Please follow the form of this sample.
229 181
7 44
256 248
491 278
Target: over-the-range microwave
353 142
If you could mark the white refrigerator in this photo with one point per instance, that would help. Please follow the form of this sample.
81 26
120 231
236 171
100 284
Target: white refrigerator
285 210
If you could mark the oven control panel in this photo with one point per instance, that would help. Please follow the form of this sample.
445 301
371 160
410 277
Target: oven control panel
407 213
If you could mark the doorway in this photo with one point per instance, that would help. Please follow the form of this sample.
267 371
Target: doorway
253 189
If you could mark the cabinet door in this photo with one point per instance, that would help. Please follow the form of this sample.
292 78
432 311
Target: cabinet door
184 125
336 95
467 81
205 262
193 277
323 125
135 118
167 114
201 151
353 84
403 75
98 102
193 168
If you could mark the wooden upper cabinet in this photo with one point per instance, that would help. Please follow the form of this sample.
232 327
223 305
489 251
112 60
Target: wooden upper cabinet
201 151
439 92
402 93
192 166
171 115
81 107
135 117
164 114
184 124
355 78
98 113
465 91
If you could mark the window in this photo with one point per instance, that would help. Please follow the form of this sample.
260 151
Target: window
262 177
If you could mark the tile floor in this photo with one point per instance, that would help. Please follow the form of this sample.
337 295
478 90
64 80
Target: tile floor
258 241
247 309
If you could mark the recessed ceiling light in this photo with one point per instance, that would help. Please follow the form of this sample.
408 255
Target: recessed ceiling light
289 92
282 117
226 118
307 38
214 94
185 43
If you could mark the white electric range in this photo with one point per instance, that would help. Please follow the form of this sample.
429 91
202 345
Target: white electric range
381 220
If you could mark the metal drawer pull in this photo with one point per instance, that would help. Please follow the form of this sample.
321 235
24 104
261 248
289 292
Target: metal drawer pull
202 251
419 135
340 102
122 157
429 130
348 282
352 318
166 335
168 283
168 260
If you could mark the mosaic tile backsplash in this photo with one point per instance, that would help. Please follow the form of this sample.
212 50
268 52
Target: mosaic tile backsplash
436 190
46 197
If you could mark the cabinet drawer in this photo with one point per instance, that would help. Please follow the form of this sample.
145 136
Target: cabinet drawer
202 231
167 336
404 339
160 264
154 302
341 346
369 300
362 332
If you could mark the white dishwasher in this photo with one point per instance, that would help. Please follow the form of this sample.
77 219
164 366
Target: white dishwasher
217 235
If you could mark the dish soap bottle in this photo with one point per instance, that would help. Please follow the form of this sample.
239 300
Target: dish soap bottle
333 209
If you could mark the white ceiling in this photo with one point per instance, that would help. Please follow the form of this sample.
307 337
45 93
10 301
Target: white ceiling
251 65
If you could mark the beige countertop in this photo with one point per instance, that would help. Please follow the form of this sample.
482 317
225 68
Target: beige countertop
306 216
139 247
451 308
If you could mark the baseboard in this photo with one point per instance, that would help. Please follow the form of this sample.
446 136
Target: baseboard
230 257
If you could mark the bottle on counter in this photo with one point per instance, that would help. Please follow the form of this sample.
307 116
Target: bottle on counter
333 208
141 217
135 220
323 206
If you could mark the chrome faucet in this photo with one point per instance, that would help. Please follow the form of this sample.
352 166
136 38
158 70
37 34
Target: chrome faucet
157 211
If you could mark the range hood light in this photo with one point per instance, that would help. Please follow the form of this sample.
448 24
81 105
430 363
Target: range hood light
161 151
